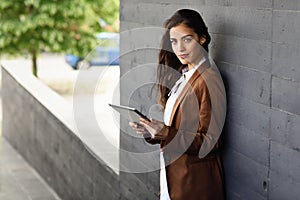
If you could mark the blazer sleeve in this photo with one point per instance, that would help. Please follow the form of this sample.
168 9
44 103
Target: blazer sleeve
152 141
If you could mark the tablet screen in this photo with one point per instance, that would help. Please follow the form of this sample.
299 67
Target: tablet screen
132 114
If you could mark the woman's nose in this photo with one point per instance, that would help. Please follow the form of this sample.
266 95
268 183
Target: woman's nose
181 46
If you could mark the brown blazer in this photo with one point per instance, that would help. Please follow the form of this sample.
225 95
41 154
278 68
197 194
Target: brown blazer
188 176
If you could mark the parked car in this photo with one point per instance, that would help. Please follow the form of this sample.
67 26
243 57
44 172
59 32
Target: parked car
106 53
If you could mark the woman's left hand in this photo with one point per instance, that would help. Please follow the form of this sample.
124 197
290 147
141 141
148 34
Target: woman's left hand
157 129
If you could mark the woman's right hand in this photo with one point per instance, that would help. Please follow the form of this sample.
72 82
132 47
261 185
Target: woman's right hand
139 129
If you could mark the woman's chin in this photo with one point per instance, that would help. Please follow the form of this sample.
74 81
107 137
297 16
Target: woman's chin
184 62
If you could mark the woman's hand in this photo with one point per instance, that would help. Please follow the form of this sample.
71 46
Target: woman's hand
157 129
138 128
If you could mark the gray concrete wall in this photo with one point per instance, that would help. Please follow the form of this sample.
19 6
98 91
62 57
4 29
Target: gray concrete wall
256 45
40 125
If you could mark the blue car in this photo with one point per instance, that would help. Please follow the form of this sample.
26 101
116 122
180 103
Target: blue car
106 53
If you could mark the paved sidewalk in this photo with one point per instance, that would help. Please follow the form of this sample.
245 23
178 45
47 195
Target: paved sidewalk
19 181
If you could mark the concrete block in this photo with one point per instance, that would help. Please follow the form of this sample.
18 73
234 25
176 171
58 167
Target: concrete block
83 184
294 136
284 174
135 144
234 3
249 143
137 156
151 57
279 126
285 95
131 12
14 121
251 23
127 25
139 162
80 156
286 5
285 160
251 115
175 2
251 84
143 13
126 60
237 191
147 11
153 180
143 92
129 184
250 4
126 45
285 61
250 53
285 129
246 172
48 142
171 8
137 39
286 27
105 189
283 187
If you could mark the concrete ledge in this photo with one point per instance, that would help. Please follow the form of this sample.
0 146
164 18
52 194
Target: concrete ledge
40 125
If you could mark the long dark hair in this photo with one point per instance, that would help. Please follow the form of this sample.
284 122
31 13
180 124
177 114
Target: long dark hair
169 66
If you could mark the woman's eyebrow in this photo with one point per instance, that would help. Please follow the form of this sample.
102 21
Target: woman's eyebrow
186 36
182 37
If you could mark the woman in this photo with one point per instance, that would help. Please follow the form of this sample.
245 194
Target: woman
194 112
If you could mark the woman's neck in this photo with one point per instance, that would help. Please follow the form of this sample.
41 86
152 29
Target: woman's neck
192 65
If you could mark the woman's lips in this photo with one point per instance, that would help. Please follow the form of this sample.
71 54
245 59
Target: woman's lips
183 56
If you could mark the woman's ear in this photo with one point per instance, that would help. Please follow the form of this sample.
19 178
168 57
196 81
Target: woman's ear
202 40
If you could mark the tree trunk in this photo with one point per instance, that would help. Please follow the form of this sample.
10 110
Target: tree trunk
34 63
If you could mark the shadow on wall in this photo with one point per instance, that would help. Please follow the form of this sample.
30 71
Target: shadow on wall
217 50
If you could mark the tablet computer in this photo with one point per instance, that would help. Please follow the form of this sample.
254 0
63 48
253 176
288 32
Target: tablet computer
132 114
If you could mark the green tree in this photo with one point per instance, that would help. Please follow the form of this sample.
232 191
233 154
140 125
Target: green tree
28 27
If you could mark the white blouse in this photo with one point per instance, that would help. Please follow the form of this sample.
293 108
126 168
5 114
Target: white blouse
174 93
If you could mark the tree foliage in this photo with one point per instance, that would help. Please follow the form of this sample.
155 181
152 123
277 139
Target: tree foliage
32 26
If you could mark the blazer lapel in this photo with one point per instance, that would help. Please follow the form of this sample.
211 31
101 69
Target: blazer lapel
187 87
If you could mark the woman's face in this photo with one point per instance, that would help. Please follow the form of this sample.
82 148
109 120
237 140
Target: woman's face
185 44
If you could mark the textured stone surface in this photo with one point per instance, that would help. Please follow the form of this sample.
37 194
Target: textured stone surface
36 121
18 180
256 47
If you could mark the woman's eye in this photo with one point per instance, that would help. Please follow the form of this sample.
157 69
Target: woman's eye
187 39
173 42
